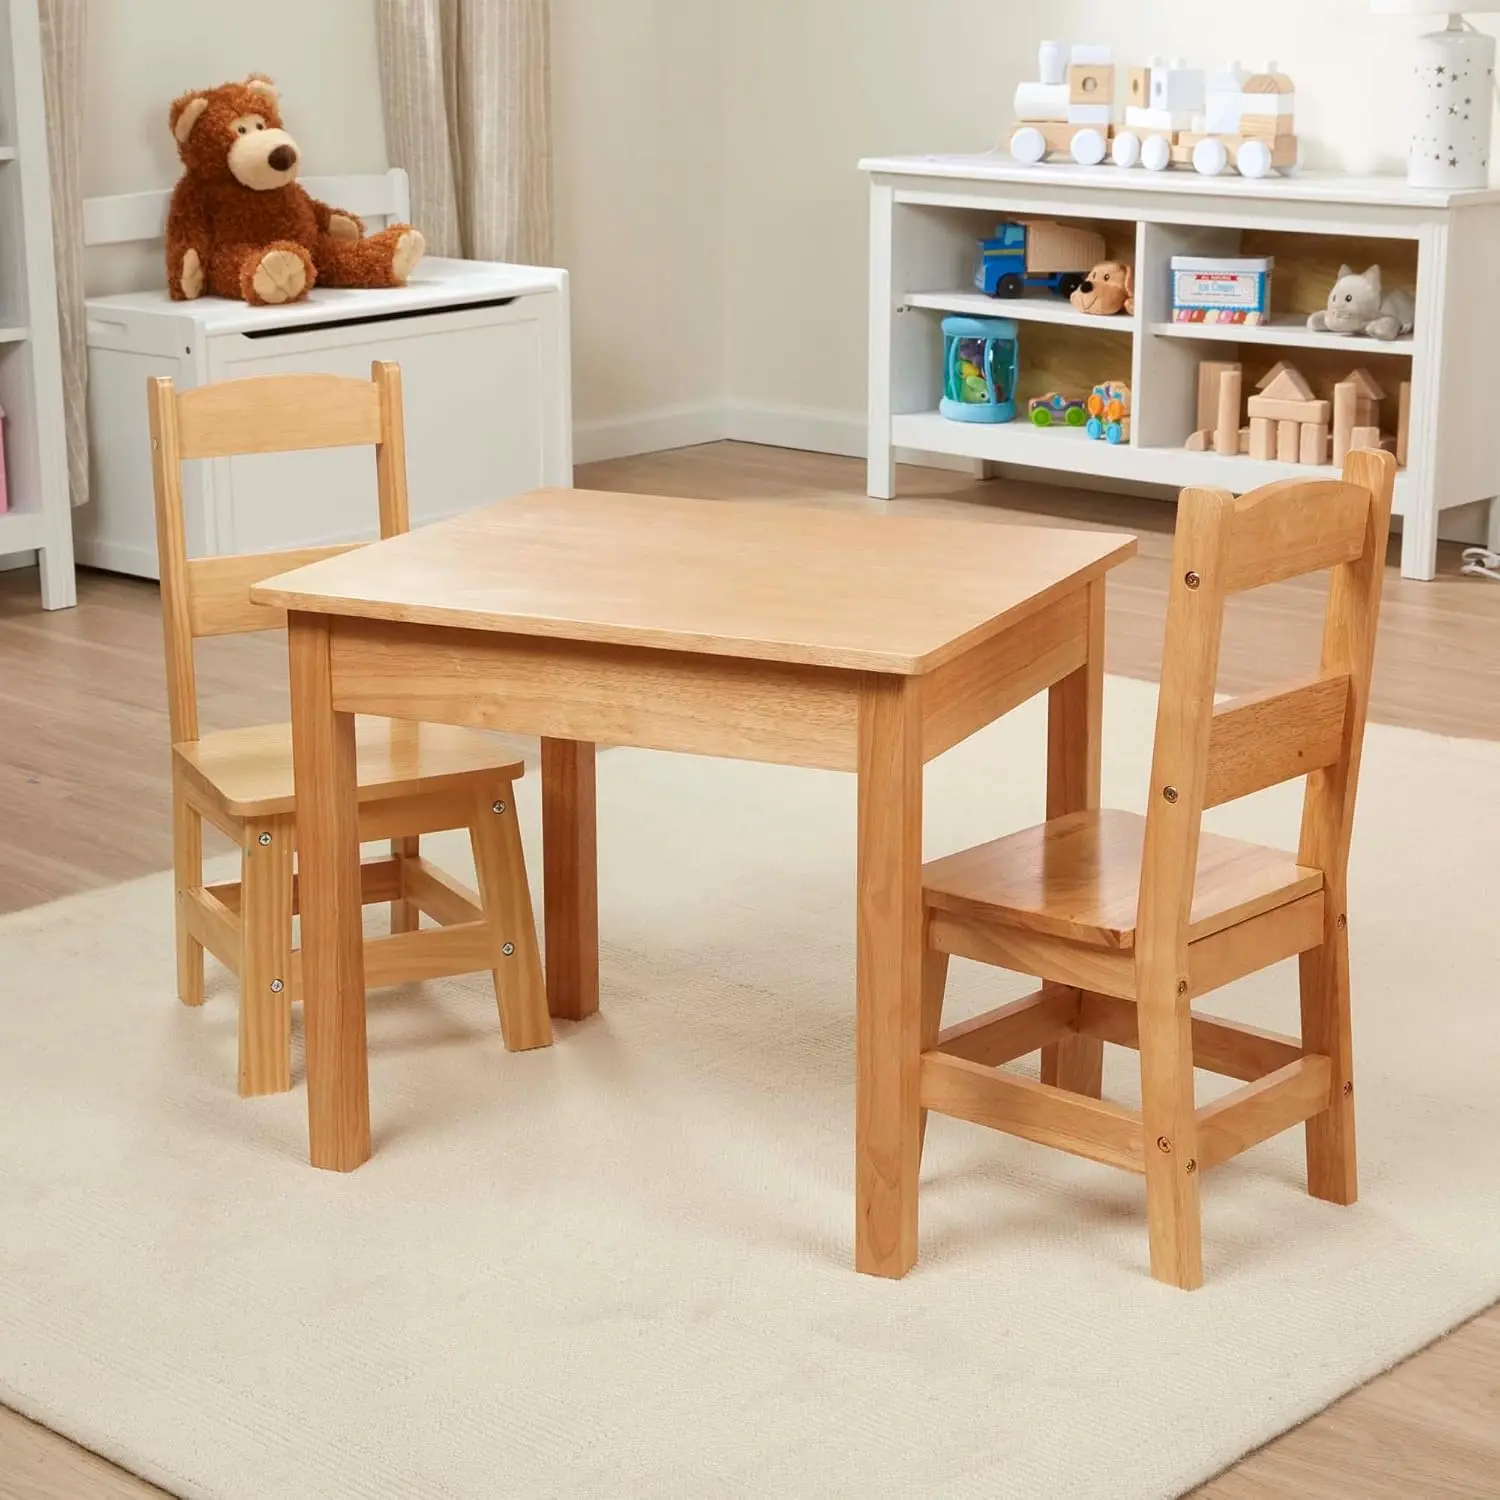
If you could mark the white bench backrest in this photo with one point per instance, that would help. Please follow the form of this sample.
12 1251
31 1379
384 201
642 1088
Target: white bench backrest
381 197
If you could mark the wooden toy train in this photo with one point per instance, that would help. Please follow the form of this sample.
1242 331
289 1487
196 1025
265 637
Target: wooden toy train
1174 115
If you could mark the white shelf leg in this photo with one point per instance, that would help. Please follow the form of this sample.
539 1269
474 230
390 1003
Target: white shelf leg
59 586
881 480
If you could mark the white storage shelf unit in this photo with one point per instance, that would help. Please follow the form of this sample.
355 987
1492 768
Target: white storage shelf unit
927 212
484 357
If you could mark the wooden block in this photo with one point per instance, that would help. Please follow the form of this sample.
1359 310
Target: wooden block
1209 371
1200 441
1345 402
1365 437
1227 425
1138 88
1288 442
1285 382
1244 441
1403 424
1262 437
1288 411
1314 443
1089 83
1366 413
1266 126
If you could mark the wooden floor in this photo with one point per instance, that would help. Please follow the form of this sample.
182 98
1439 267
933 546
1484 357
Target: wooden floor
84 803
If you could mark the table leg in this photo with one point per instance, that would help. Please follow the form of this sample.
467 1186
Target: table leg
1075 713
570 875
333 956
888 969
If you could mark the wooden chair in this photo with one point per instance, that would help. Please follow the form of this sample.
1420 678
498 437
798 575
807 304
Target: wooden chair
413 778
1127 919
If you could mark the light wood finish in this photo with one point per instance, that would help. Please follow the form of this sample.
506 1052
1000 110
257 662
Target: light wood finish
1294 527
218 589
1262 438
1227 418
1345 415
410 778
1075 719
581 691
1078 878
1313 447
1011 1031
1227 1047
297 412
517 962
726 580
77 821
570 874
1094 1128
247 773
888 976
1403 423
1295 411
1210 372
1262 1108
805 637
438 894
1288 441
1266 738
1154 911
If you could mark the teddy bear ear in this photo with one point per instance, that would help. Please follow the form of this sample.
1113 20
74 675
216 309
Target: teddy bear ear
1373 277
1344 273
262 85
185 114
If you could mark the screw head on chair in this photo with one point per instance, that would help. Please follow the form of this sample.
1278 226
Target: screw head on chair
265 838
1170 793
1192 1166
1342 922
508 949
277 986
497 807
1192 580
1163 1145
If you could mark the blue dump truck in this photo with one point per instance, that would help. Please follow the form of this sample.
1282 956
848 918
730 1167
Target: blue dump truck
1036 253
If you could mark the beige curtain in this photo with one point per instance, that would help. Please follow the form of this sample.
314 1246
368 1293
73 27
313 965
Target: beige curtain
62 25
466 92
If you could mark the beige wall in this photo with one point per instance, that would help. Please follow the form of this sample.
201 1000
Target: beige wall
638 126
814 86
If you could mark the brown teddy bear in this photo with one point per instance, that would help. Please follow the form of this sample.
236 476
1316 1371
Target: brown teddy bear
240 224
1108 289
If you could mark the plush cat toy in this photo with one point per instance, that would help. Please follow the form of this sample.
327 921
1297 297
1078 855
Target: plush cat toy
241 225
1356 306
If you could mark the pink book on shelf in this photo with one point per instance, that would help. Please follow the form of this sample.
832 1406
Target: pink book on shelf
4 497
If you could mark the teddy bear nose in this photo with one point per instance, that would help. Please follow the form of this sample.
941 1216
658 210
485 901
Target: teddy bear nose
282 158
1087 286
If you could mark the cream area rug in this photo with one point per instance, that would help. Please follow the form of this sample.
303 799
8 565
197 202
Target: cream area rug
621 1267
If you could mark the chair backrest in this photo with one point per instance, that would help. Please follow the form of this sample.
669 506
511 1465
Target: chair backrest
1206 755
205 596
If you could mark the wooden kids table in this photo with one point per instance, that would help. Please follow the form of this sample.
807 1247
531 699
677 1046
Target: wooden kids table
804 637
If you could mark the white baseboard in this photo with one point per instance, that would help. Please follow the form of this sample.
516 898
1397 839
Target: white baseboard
648 432
805 427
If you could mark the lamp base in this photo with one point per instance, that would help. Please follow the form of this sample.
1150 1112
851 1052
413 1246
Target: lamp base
1454 74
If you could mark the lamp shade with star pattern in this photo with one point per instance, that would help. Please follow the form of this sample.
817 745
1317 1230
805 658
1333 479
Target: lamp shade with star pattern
1453 75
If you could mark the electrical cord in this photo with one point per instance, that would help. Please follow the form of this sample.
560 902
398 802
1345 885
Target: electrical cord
1480 562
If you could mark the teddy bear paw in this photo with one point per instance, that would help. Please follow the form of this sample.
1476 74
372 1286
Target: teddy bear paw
342 227
280 277
191 279
409 250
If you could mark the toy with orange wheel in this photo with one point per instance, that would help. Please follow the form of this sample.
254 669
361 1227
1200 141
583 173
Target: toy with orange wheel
1109 412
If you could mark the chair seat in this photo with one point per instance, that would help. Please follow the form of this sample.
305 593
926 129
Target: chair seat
1078 878
248 772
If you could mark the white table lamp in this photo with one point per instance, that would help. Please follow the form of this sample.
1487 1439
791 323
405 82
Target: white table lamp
1454 72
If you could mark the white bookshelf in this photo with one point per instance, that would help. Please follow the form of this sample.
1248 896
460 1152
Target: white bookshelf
38 520
926 214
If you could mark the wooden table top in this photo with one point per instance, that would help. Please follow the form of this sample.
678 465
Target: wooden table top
831 588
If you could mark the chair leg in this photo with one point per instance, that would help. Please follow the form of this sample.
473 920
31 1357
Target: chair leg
266 958
1073 1062
406 916
1327 1028
934 984
187 864
1171 1140
500 862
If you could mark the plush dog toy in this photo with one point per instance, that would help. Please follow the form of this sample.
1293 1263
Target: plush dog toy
240 225
1108 289
1356 305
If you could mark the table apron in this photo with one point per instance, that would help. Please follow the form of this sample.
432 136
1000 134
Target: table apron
781 712
700 704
